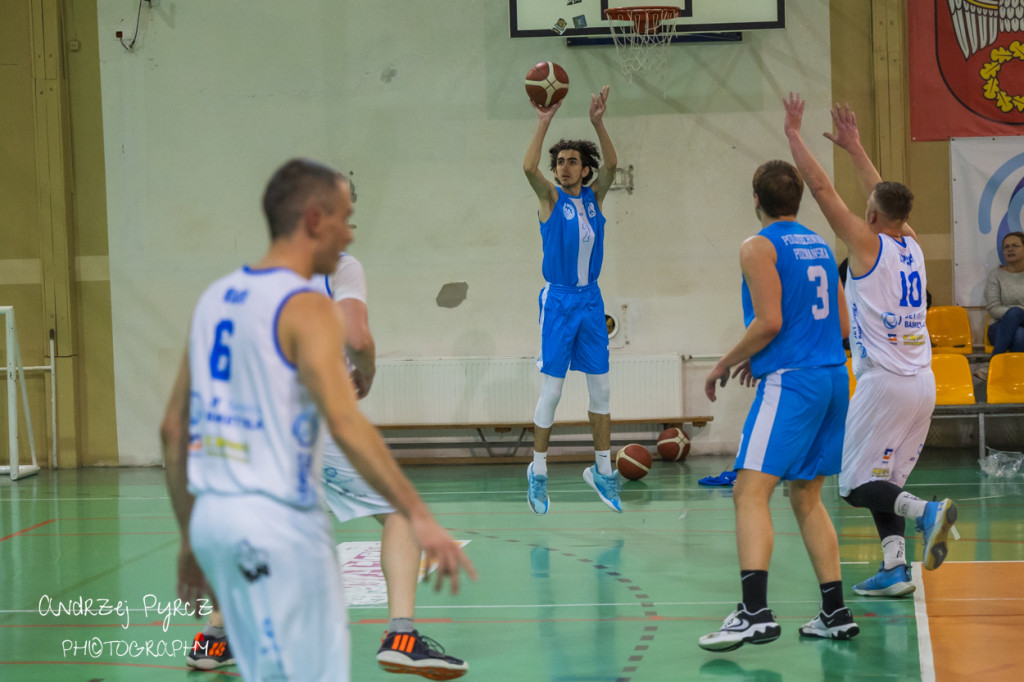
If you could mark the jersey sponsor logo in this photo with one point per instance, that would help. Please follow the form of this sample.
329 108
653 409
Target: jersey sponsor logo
907 258
195 409
306 427
591 211
891 320
568 211
252 562
892 339
219 446
914 340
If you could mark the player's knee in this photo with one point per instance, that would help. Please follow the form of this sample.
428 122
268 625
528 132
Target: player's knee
599 389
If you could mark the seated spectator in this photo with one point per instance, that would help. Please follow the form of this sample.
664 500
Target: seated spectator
1004 299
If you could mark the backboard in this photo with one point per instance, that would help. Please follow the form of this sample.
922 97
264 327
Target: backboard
585 18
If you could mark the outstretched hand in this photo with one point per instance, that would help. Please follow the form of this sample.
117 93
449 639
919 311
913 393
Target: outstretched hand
192 585
746 377
546 113
438 547
794 105
598 104
718 374
847 134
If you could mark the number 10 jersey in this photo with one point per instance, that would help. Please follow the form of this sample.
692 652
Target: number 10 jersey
888 310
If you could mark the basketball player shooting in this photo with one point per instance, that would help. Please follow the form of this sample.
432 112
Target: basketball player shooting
573 330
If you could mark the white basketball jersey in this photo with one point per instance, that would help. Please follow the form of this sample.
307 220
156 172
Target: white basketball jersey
347 281
253 427
888 311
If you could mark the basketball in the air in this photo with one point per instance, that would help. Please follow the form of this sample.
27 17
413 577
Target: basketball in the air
547 83
633 461
673 445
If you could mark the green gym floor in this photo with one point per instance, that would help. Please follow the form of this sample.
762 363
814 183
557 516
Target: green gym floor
582 594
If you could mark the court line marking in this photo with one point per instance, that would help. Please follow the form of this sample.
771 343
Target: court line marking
516 491
477 607
924 637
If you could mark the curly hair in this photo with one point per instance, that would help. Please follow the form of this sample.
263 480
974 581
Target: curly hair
589 156
779 188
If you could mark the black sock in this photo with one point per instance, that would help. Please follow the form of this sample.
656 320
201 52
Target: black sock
832 596
755 590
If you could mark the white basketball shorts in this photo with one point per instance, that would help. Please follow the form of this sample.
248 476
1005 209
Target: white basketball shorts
345 491
886 426
278 584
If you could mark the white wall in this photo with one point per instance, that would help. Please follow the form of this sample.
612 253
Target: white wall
427 108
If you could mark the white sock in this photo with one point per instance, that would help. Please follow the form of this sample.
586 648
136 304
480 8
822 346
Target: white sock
894 552
909 506
604 462
540 463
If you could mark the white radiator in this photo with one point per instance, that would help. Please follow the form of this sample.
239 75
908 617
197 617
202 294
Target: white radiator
496 390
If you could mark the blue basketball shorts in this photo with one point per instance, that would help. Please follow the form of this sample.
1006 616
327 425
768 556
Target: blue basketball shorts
573 332
795 427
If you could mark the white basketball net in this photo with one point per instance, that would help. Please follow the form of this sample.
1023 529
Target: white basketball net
643 47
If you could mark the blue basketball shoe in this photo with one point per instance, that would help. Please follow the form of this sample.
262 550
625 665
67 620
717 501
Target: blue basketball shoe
894 582
537 491
607 487
938 518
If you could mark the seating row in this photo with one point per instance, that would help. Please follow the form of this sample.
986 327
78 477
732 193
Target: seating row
950 330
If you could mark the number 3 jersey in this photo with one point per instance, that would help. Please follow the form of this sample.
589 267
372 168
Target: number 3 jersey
888 310
253 427
811 335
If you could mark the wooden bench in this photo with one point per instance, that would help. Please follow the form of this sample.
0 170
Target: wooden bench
523 429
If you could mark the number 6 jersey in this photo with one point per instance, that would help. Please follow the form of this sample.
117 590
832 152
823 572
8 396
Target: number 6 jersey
253 427
888 310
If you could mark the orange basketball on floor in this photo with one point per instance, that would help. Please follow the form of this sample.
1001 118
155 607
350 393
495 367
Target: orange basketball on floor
547 83
673 445
633 461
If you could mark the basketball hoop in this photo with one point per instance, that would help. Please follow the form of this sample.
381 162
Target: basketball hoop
643 48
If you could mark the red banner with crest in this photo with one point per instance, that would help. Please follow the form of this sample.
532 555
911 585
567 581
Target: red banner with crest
966 68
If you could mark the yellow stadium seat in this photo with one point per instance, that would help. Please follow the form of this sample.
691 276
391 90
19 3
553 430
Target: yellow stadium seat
849 370
988 344
949 329
1006 378
953 384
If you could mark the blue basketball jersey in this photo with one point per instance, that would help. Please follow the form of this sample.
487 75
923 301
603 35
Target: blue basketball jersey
810 334
573 239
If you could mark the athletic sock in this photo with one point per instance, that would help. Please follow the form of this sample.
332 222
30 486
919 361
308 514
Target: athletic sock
755 590
603 458
909 506
401 625
540 463
894 552
831 596
214 631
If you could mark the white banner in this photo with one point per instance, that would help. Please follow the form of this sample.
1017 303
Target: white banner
988 200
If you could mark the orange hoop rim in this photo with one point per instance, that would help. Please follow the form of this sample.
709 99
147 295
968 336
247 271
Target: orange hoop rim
646 18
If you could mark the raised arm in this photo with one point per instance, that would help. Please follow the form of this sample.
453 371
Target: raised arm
852 229
847 137
757 260
310 331
545 190
609 160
